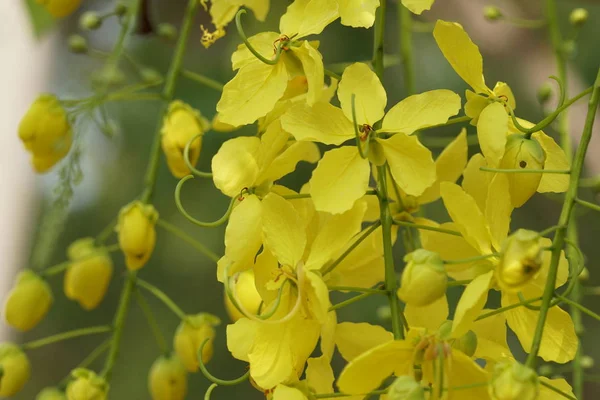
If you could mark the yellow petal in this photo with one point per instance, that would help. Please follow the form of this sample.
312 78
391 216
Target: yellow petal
283 230
464 212
502 90
252 93
491 337
410 163
334 234
555 159
464 371
498 209
320 123
266 269
241 337
491 132
308 17
418 6
243 237
549 394
421 110
235 165
475 105
312 64
449 166
476 182
471 303
559 342
341 178
360 80
430 316
319 375
358 13
328 335
461 53
353 339
317 297
366 372
262 42
283 392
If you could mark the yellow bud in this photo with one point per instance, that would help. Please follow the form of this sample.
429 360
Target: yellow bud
15 369
189 337
167 379
180 125
86 385
246 295
521 259
523 153
28 301
88 276
51 393
45 132
90 20
492 13
578 16
513 381
137 233
406 387
60 8
424 278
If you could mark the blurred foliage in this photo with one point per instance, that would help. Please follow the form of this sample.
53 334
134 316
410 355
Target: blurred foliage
113 171
41 21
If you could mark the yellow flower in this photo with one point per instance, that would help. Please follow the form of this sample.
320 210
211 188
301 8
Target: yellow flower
488 110
190 335
16 369
222 13
424 279
514 381
482 215
137 233
51 393
251 165
246 294
86 385
167 379
342 176
180 125
28 301
45 132
417 6
89 273
520 260
60 8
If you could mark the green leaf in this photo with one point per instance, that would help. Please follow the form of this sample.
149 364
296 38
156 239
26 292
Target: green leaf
41 20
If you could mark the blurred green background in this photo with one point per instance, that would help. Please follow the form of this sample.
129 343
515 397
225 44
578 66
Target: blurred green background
113 170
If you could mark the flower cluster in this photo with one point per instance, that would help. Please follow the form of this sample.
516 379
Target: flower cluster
287 249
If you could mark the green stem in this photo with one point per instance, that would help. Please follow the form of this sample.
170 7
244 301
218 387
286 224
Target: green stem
471 259
147 311
167 226
167 94
213 378
352 300
579 307
203 80
427 227
451 121
58 268
209 391
193 220
166 300
565 216
406 50
378 40
86 362
557 390
240 29
503 309
587 204
65 336
349 250
356 289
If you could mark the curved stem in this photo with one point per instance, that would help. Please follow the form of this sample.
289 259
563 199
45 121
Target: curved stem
209 391
188 239
193 220
240 29
186 158
211 377
65 336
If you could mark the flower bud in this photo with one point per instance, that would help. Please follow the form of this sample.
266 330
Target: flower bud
521 259
513 381
60 8
15 368
544 93
78 44
492 13
584 276
45 132
424 278
51 393
587 362
180 125
86 385
167 31
546 370
384 312
406 387
88 276
120 9
28 301
90 20
137 233
523 153
189 337
167 379
578 17
246 295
